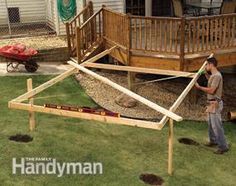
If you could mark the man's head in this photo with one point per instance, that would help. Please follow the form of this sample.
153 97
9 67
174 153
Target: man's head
211 64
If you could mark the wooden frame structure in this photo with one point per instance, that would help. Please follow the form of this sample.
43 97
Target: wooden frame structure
167 43
169 115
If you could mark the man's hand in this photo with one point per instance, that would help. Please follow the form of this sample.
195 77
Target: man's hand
197 85
202 72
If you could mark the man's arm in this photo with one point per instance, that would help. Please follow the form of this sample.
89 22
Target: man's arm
208 90
207 75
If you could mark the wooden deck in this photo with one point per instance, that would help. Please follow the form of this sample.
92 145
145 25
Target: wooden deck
155 42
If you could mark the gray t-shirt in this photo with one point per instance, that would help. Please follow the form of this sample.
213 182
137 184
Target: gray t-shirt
216 81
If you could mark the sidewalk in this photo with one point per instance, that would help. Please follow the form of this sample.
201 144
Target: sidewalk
44 69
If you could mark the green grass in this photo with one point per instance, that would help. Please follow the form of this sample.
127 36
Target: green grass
125 152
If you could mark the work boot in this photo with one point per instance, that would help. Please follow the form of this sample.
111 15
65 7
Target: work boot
220 151
210 144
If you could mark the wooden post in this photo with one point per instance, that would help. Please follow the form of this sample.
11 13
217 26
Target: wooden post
131 75
92 22
131 80
86 12
31 101
78 44
182 43
170 147
104 19
68 39
90 3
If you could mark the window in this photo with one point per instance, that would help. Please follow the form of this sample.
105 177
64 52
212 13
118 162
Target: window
161 8
135 7
14 15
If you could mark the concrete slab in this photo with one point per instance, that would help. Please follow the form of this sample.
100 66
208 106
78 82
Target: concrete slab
44 69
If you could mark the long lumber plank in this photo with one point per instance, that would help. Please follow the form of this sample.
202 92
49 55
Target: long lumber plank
128 92
46 85
184 93
86 116
98 56
139 70
59 78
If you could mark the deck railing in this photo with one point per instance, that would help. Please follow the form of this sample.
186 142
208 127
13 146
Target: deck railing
178 37
156 34
89 35
116 27
210 33
77 21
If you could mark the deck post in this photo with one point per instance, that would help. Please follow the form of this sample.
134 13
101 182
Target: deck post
182 43
91 11
131 75
31 102
90 8
78 44
103 21
68 38
170 146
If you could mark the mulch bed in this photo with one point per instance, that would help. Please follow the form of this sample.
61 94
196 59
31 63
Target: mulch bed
163 93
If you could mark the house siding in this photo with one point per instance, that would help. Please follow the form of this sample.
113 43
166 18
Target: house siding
30 10
97 4
50 14
116 5
61 25
3 13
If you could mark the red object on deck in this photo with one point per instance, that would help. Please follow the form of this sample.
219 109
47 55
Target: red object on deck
18 52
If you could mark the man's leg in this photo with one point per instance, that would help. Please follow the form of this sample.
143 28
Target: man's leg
218 129
212 137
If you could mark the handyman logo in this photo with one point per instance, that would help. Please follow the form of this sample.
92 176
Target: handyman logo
36 166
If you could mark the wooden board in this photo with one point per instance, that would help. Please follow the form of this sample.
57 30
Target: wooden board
100 55
127 92
226 59
31 102
184 93
46 85
156 63
86 116
139 70
120 53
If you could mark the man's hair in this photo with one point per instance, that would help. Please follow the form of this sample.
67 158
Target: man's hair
213 61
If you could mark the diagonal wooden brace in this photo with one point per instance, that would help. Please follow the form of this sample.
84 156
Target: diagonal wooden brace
128 92
184 93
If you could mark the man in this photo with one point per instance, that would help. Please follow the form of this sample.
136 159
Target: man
215 106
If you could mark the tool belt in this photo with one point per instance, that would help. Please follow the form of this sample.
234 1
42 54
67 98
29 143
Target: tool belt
213 105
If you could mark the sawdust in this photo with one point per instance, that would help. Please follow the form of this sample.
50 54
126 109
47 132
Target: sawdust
163 93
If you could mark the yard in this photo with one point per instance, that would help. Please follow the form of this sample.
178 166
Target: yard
126 152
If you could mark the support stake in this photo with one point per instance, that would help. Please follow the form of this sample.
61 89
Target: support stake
31 101
131 80
170 148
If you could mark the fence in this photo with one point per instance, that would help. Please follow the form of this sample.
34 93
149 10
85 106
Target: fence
24 18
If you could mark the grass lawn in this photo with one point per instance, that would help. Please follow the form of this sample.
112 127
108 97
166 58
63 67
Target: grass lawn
126 152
